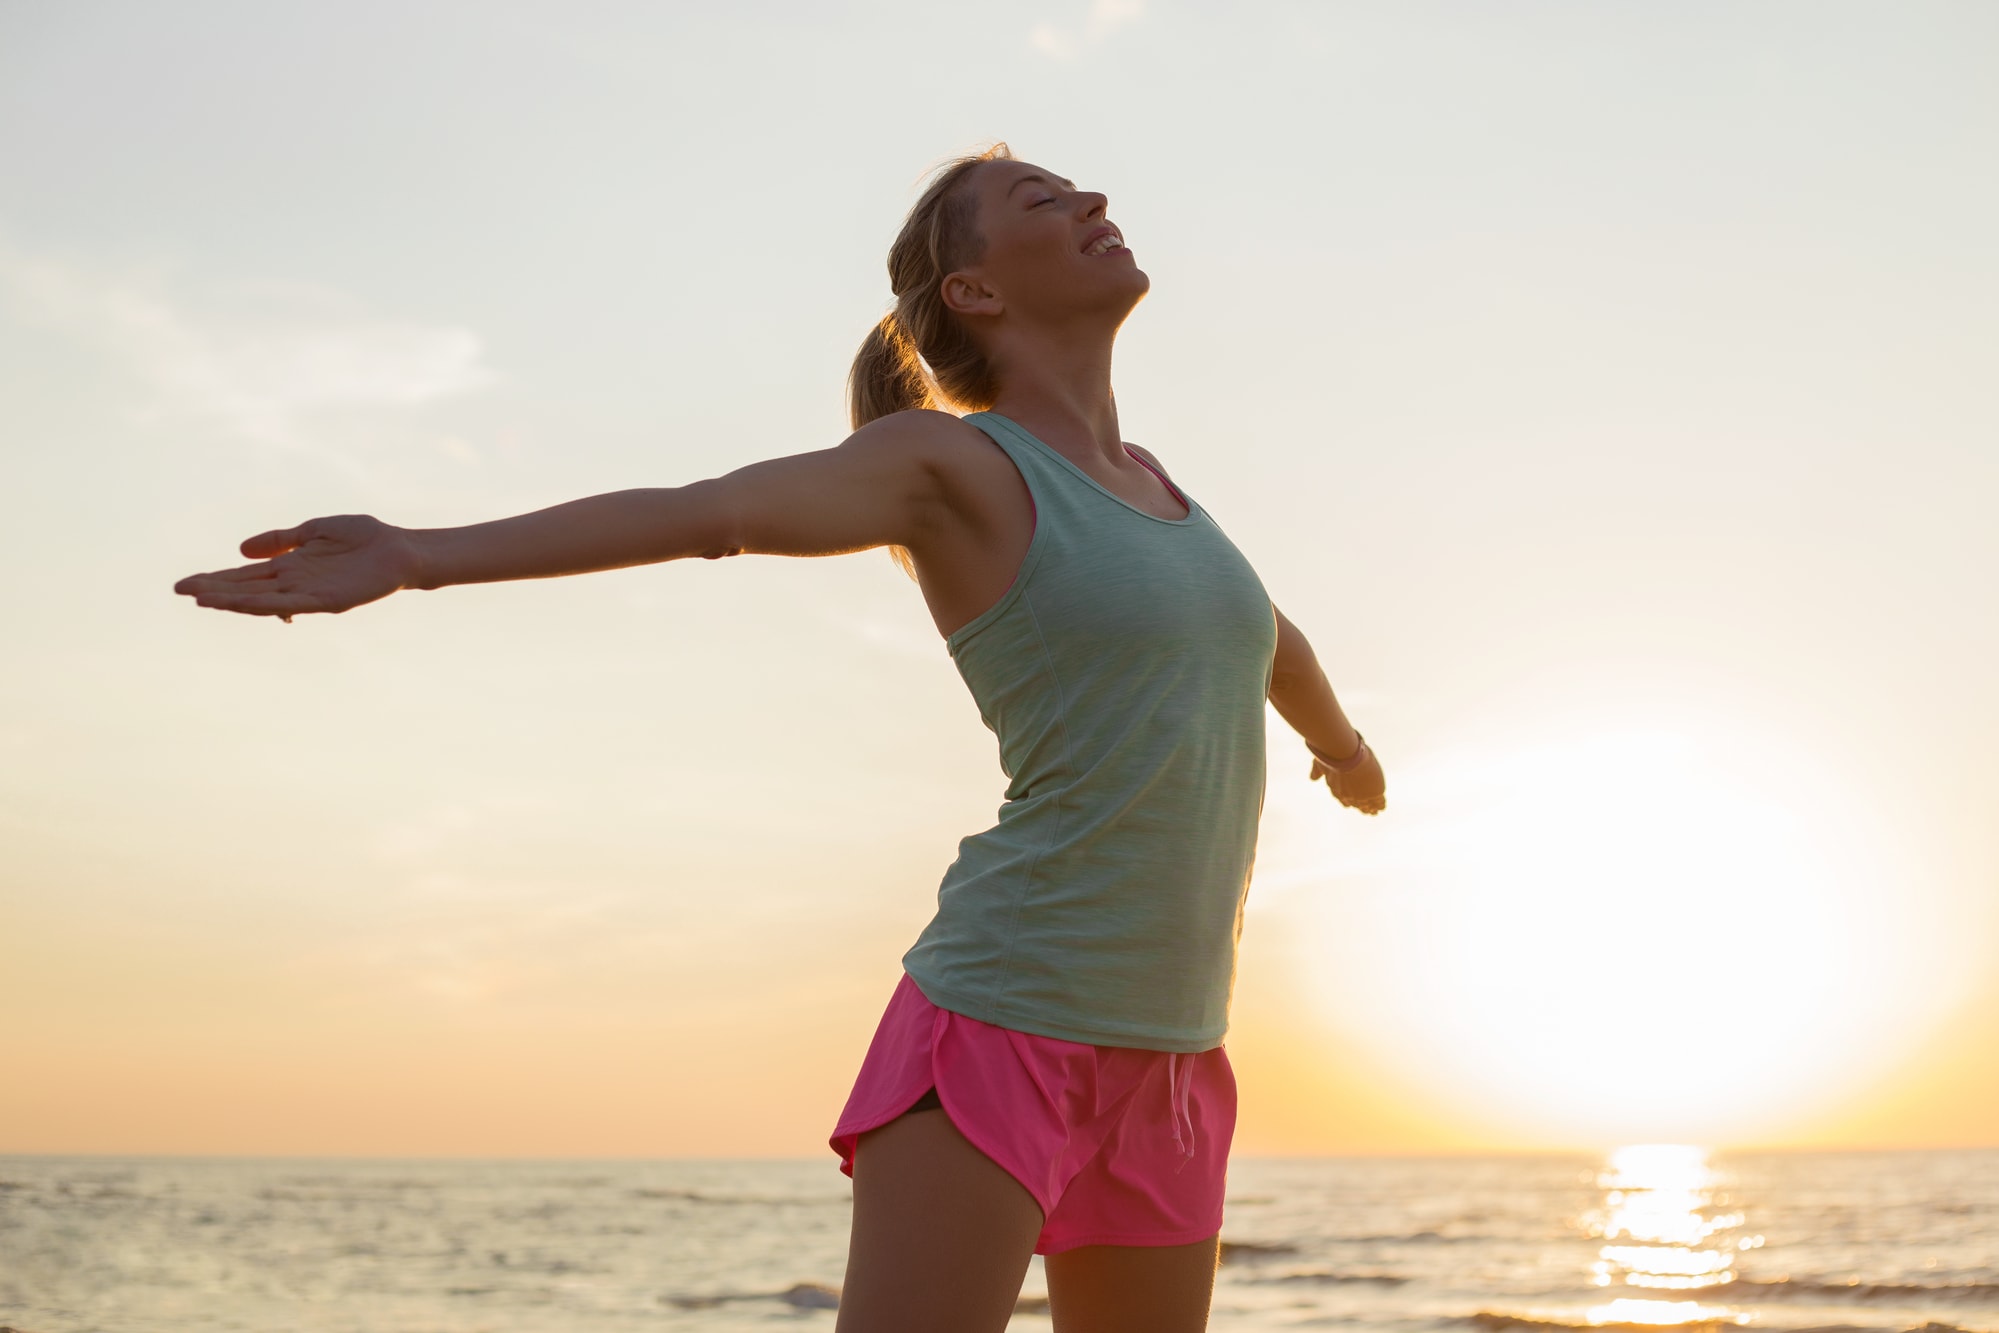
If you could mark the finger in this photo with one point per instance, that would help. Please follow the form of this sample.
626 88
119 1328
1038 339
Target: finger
277 541
260 603
225 579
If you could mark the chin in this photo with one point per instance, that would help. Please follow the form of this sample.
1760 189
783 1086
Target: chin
1135 290
1100 295
1130 288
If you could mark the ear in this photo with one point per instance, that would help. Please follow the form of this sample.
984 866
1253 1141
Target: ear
969 294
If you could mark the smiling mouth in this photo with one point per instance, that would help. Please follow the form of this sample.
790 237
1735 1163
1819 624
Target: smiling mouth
1104 244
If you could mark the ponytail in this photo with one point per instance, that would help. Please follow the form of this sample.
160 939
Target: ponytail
919 354
887 376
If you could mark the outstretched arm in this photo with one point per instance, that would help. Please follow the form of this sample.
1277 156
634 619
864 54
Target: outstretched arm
881 487
1304 698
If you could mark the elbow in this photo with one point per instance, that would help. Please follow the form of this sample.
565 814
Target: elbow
712 527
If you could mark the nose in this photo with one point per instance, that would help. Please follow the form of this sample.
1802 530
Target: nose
1093 204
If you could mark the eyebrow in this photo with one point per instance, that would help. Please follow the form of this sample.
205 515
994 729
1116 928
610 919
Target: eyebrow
1036 176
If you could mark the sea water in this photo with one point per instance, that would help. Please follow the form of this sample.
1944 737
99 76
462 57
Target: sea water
1657 1236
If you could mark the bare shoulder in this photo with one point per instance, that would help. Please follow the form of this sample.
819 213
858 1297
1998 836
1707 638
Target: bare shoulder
920 432
1147 455
953 452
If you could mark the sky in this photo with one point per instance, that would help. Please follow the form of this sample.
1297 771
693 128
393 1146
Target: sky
1604 389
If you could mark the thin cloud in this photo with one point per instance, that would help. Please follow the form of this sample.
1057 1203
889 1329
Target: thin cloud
1104 18
270 368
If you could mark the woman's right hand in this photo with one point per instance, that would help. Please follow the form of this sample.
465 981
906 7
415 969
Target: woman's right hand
323 565
1364 789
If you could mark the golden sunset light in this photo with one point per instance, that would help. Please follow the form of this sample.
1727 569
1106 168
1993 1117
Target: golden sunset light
1615 929
1048 666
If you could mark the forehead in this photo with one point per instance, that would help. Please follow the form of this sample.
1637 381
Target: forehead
999 179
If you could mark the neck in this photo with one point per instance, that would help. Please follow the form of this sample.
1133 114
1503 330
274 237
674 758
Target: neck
1057 384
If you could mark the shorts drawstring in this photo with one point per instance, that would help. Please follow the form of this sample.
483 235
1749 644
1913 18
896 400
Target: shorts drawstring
1178 1089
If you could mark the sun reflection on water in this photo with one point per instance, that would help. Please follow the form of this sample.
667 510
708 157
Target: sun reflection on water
1666 1227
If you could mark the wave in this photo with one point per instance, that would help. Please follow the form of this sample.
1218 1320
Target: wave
551 1267
1491 1321
1330 1279
799 1296
803 1296
753 1200
1252 1252
1788 1288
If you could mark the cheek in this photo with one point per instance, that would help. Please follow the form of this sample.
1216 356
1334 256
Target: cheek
1030 250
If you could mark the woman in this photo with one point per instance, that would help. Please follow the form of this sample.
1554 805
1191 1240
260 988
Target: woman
1065 1008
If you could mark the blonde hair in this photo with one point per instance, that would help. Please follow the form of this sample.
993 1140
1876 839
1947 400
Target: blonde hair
919 354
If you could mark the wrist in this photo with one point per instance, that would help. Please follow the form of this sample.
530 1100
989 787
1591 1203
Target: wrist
1353 760
420 565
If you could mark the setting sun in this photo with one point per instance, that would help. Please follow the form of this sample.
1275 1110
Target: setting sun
1612 931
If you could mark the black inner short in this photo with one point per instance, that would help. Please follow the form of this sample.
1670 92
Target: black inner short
927 1102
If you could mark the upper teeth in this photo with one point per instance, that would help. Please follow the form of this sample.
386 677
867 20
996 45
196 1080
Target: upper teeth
1108 241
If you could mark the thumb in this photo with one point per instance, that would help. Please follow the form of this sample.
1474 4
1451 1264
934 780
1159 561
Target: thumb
275 542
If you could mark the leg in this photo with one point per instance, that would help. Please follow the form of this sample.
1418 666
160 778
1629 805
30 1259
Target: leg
942 1234
1133 1288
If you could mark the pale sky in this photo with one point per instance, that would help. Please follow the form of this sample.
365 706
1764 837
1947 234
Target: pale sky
1605 389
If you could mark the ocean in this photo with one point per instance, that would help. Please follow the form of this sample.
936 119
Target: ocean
1649 1237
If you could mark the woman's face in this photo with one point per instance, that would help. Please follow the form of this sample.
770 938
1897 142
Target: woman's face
1050 252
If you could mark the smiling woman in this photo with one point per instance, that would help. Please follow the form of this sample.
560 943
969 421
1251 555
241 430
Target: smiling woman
1050 1076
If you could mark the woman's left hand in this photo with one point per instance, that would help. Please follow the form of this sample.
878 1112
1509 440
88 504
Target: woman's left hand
1364 789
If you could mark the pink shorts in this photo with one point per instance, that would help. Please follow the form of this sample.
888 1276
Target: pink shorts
1119 1146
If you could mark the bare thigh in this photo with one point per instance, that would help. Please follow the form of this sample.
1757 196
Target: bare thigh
1132 1288
942 1234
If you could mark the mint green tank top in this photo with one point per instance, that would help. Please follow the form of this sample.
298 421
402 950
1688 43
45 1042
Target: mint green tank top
1125 673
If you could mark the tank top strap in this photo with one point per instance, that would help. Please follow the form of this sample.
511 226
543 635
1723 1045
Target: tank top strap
1055 484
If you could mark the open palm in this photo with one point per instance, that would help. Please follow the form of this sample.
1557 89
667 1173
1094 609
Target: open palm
323 565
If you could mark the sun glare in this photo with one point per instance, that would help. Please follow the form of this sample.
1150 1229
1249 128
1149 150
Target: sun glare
1662 1201
1621 934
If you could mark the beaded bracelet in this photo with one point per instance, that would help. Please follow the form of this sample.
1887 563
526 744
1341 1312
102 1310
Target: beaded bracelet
1346 765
